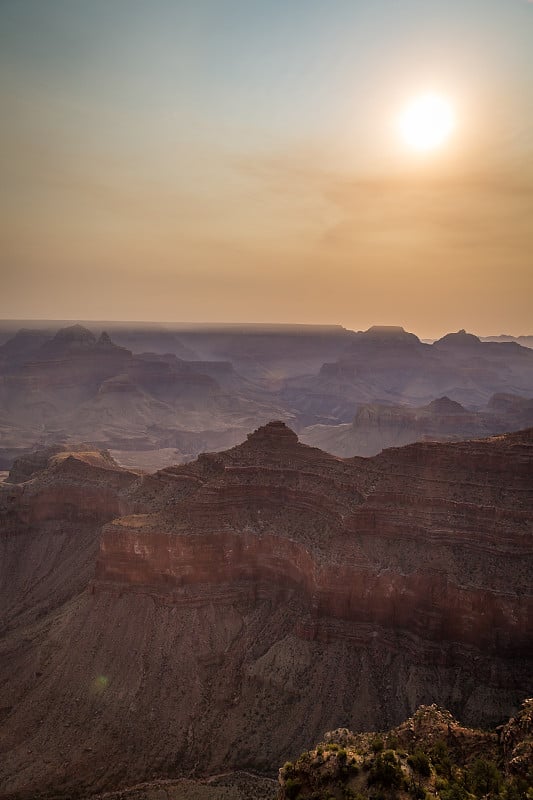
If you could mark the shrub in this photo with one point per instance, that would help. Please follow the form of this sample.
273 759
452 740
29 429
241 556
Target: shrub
348 793
416 791
483 777
377 744
342 755
454 792
292 788
353 767
386 771
441 759
419 762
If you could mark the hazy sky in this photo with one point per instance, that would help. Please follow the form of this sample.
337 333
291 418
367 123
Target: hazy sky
239 160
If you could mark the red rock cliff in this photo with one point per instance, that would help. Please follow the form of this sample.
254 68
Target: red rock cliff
432 539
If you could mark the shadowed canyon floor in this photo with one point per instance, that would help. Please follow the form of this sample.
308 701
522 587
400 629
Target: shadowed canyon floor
223 614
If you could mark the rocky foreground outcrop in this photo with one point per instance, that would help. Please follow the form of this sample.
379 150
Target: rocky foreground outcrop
429 755
223 614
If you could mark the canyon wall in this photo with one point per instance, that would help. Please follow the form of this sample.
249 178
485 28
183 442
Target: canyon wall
228 611
424 539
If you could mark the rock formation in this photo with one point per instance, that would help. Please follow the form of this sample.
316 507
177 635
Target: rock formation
171 394
222 614
429 755
377 426
58 390
390 366
277 513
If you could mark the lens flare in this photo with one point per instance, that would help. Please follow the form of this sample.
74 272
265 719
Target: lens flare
100 684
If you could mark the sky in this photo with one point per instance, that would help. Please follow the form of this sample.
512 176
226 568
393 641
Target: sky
240 161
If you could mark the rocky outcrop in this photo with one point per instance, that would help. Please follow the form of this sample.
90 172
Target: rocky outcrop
78 484
23 345
516 738
430 754
461 339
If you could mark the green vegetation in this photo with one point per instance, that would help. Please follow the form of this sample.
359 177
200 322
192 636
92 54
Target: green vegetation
483 778
420 763
386 771
440 757
292 788
430 757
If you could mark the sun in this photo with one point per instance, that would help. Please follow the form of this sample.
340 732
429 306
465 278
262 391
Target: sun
427 122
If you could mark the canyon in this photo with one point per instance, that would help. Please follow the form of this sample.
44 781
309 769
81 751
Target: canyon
223 613
160 395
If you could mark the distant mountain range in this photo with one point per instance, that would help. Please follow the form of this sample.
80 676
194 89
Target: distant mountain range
377 426
157 395
525 341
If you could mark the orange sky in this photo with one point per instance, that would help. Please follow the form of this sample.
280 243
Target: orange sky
183 164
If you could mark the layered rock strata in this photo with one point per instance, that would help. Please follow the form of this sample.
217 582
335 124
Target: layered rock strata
427 539
246 602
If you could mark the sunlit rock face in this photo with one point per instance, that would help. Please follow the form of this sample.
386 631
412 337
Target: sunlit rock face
82 483
228 611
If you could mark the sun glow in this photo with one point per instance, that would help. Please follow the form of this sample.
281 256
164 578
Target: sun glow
427 122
